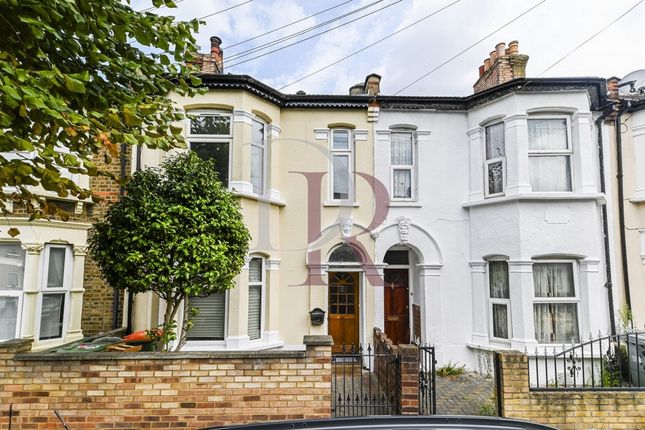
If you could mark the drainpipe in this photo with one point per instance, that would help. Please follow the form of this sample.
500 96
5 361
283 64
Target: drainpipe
116 298
621 205
605 228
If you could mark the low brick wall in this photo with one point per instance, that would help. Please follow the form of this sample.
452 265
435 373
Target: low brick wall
157 390
565 410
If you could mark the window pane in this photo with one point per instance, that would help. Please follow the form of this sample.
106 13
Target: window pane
209 322
396 257
550 173
496 177
401 148
211 124
56 268
51 316
547 134
8 317
340 139
12 267
556 322
258 133
402 184
500 321
257 169
255 270
495 141
344 254
218 152
553 280
341 177
498 279
255 311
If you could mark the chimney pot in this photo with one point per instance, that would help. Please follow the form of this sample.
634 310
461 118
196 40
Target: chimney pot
486 64
372 85
493 57
217 55
513 47
481 70
501 49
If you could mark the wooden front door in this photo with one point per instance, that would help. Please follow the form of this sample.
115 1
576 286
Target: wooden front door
396 295
343 310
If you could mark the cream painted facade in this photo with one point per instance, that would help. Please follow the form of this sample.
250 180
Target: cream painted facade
632 145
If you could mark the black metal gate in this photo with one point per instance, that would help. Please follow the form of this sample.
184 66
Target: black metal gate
365 382
427 381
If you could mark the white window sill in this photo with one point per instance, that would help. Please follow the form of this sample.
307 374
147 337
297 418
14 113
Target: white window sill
218 345
334 204
404 204
599 198
251 196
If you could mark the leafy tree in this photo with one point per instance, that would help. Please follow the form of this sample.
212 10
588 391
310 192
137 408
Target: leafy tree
177 232
73 85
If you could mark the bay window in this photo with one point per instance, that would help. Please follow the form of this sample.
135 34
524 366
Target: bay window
555 307
12 270
342 161
402 161
256 288
54 292
549 154
495 160
499 299
210 322
209 136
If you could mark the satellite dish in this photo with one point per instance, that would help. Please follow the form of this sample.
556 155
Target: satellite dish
633 85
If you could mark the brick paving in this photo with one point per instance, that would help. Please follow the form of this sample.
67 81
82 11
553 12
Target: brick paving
468 394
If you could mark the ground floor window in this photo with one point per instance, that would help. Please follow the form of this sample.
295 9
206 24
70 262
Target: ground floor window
12 269
57 282
499 299
209 324
256 286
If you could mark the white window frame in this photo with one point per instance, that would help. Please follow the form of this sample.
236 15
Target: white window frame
16 293
498 301
566 300
349 152
488 162
263 145
212 138
568 153
262 285
411 167
44 290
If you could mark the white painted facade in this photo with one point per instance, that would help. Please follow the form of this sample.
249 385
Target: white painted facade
455 229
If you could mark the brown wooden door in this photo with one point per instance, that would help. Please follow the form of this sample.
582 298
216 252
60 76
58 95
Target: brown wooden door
343 310
396 295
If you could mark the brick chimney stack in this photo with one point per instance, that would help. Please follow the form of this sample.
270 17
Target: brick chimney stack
503 65
213 63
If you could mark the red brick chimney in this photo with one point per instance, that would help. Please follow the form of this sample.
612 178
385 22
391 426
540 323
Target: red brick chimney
213 63
503 65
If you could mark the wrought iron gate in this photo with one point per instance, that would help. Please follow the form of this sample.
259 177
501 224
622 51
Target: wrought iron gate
427 381
365 382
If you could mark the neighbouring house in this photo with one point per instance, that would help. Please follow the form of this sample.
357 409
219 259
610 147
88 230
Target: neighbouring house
470 222
626 132
50 290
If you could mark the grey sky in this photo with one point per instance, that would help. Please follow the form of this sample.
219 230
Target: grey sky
545 34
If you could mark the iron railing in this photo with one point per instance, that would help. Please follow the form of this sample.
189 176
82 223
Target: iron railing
611 362
427 380
365 382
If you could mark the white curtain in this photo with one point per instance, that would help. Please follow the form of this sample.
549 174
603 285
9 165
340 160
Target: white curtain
495 141
401 149
257 169
402 183
8 317
553 280
547 134
500 321
498 279
12 268
340 139
556 322
550 173
56 268
341 176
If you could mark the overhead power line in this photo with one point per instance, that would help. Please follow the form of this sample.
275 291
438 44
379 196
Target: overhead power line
315 35
370 45
591 37
299 33
224 10
470 47
288 25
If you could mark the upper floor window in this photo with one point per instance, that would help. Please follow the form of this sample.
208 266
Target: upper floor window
555 307
258 154
549 154
499 299
209 136
12 270
256 289
57 282
495 160
342 162
402 161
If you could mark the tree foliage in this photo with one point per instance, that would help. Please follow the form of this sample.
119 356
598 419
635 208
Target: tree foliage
177 232
74 85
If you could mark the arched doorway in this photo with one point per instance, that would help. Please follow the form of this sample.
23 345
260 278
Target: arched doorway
396 295
344 298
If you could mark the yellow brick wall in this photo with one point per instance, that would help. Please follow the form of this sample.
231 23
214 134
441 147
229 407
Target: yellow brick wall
154 390
566 410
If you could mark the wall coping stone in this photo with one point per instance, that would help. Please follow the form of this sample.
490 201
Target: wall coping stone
133 356
318 340
15 343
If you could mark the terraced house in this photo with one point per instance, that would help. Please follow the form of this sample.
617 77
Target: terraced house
470 222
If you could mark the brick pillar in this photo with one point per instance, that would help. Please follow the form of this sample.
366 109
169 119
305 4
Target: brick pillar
409 394
319 360
513 382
